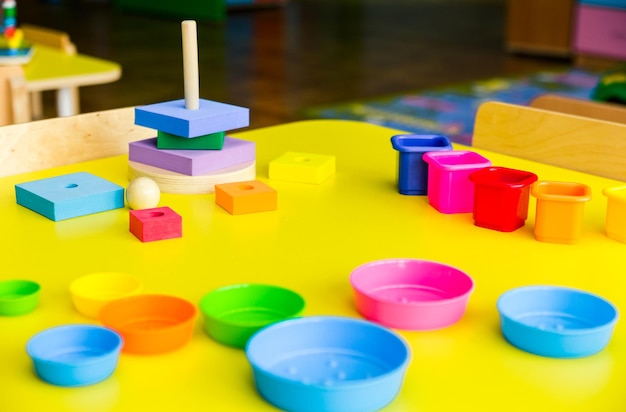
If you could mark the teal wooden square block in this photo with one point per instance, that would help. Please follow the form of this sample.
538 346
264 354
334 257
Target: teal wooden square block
173 117
212 141
68 196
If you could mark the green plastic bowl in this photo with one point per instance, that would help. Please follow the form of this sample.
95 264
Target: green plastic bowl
233 314
18 297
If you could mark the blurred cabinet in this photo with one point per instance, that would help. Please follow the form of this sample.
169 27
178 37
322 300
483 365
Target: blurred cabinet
600 29
542 27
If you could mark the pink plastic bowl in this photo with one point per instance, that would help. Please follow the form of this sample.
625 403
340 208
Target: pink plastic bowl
411 294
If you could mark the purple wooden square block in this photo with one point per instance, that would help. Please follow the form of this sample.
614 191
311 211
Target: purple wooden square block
192 162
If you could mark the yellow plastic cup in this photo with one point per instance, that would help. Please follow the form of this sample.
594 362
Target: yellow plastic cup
90 293
560 210
615 222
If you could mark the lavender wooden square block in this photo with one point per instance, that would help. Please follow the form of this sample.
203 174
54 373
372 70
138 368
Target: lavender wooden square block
172 117
192 162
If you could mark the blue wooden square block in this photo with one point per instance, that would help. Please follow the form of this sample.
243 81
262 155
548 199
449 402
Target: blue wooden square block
67 196
211 117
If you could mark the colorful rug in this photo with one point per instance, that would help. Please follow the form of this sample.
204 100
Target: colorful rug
451 110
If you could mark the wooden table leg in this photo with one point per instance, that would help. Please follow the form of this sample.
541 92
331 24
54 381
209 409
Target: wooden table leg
68 101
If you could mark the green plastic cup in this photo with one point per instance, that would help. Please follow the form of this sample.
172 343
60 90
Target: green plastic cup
233 314
18 297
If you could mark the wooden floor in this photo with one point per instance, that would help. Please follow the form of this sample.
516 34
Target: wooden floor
278 61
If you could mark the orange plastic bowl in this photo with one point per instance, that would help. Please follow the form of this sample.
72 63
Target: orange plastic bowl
151 324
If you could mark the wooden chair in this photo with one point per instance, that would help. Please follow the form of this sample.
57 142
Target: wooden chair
61 141
573 142
51 38
581 107
14 104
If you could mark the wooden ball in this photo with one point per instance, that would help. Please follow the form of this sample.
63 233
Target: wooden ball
142 193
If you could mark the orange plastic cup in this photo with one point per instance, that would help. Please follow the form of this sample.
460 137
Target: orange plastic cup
560 210
151 324
615 223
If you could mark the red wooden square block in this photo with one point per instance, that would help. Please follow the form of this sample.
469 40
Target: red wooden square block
156 224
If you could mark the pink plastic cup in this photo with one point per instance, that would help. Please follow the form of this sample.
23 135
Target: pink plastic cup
449 187
411 294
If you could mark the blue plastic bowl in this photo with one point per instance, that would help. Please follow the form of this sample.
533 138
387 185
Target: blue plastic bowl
330 364
555 321
75 355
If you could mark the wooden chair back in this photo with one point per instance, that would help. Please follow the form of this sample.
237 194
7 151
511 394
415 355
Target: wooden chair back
14 102
61 141
581 107
48 37
574 142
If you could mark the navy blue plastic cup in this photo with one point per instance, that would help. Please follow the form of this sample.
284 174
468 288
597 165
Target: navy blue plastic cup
412 169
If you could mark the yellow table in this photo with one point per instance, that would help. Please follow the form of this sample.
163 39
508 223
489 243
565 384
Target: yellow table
310 244
52 69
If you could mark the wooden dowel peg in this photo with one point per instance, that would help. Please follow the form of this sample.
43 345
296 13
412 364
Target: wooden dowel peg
190 65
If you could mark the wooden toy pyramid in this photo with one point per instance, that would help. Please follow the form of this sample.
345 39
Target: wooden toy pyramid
13 49
191 152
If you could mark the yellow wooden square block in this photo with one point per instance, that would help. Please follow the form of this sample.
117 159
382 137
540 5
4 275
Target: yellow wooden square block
246 197
302 167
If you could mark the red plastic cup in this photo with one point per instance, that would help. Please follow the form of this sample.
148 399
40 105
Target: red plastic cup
501 197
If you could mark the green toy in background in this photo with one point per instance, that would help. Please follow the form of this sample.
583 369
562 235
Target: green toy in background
611 87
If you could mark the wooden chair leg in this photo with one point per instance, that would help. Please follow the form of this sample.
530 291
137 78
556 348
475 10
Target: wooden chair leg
36 105
21 105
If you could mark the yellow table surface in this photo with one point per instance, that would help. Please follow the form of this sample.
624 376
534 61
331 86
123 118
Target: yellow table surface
310 244
51 69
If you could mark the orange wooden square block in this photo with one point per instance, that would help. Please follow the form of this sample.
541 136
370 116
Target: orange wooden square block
246 197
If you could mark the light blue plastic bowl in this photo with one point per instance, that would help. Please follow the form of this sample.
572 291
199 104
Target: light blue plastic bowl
330 364
75 355
556 321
